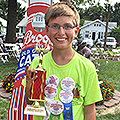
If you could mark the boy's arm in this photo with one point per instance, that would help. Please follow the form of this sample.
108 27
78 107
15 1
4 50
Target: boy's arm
29 80
90 112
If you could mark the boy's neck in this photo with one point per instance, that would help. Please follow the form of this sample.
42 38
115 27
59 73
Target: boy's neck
62 57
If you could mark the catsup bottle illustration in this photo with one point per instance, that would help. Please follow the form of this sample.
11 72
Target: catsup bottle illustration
35 32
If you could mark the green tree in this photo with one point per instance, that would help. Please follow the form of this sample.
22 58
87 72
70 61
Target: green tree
20 12
116 33
0 25
4 10
116 13
93 12
106 11
11 21
11 11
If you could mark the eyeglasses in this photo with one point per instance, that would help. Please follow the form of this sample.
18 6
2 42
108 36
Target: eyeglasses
57 26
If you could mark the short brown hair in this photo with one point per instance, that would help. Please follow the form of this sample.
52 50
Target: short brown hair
62 9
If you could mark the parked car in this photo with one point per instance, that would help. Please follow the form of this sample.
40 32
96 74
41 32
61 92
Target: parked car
89 42
111 42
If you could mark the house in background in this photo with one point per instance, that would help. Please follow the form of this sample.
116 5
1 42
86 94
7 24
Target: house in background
95 30
38 23
22 25
3 27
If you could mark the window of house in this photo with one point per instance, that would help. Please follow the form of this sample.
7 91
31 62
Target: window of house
36 18
86 34
39 19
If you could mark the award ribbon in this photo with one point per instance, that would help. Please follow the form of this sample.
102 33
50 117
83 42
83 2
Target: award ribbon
54 117
66 96
67 112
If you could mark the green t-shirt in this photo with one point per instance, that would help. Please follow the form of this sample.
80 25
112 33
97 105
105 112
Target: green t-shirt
82 71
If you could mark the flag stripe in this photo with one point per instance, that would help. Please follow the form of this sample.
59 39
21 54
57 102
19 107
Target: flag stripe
14 102
10 109
18 100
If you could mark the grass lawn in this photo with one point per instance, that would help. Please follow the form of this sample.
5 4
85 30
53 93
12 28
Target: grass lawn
5 68
111 70
4 105
109 117
8 67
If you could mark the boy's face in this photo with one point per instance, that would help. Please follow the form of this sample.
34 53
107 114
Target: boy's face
61 38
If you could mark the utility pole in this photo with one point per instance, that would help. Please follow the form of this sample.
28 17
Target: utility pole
106 27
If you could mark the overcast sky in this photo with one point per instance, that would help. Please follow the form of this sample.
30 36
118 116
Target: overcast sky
101 2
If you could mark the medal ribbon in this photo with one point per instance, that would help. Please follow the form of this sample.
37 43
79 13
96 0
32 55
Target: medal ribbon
54 117
67 112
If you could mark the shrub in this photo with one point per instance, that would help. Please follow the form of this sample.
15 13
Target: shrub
107 89
8 82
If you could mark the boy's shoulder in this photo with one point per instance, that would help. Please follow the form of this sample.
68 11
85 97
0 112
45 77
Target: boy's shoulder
83 60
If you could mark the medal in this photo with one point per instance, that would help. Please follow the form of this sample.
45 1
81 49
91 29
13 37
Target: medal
50 91
52 79
67 84
47 103
56 107
65 97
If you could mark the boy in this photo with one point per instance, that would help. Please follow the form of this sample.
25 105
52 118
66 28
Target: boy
62 26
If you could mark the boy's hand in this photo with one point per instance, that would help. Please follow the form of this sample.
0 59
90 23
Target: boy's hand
29 79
